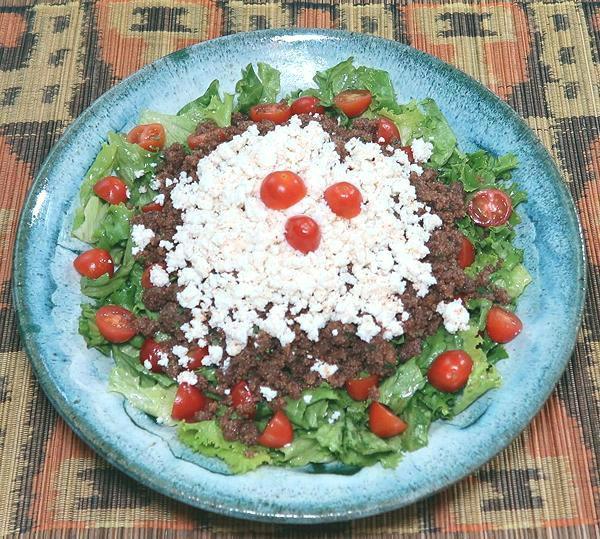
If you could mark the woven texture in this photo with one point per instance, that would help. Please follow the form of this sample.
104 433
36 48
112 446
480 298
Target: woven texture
542 57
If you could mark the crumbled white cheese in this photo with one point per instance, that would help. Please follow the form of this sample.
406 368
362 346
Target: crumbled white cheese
268 393
127 193
140 236
227 391
307 398
160 199
247 265
142 189
180 352
187 377
155 184
158 276
334 417
163 359
421 150
147 364
214 356
334 332
138 173
325 370
456 317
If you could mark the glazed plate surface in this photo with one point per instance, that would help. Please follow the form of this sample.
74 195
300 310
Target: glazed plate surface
47 293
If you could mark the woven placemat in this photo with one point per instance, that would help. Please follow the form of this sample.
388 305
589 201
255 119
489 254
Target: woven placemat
542 57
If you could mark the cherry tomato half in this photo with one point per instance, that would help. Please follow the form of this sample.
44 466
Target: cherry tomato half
353 102
307 105
343 199
111 189
243 402
94 263
278 113
387 130
450 371
196 356
151 137
195 142
359 388
383 422
151 351
115 323
189 400
152 206
490 207
502 325
466 256
282 189
146 281
303 233
278 432
408 151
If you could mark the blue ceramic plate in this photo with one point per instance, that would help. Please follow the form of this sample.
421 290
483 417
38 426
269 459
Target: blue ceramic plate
47 292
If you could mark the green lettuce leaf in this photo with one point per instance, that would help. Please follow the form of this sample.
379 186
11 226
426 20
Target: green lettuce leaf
200 103
88 219
303 451
397 390
177 127
89 330
207 438
131 160
252 89
114 229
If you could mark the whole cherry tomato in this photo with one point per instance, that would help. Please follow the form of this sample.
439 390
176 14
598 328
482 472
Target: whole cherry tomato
450 371
303 233
343 199
94 263
282 189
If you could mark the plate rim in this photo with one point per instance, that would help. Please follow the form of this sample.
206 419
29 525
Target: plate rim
87 432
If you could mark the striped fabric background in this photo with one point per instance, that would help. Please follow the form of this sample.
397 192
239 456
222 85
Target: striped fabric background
541 56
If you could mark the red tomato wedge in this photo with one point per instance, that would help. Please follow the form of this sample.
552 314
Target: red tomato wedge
196 356
387 130
152 206
189 400
502 326
466 256
115 323
307 105
243 402
282 189
490 207
278 432
151 137
450 371
383 422
343 199
94 263
358 388
151 351
303 233
278 113
111 189
353 102
195 142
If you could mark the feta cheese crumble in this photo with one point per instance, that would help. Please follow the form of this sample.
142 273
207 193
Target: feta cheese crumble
421 150
248 276
334 417
158 276
325 370
268 393
141 237
187 377
456 317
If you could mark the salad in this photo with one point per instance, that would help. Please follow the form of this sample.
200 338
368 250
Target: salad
300 279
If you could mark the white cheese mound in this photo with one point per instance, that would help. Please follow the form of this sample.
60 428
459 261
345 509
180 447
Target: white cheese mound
456 317
187 377
141 236
231 258
267 393
421 150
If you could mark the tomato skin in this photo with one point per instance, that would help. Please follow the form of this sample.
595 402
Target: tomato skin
243 402
146 281
387 130
502 326
353 102
303 233
490 207
151 137
150 351
196 356
282 189
450 371
152 206
358 388
343 199
115 323
94 263
278 113
196 142
188 401
466 256
383 422
408 151
278 432
111 189
307 105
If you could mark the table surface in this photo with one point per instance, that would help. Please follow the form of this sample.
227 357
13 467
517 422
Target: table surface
542 57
